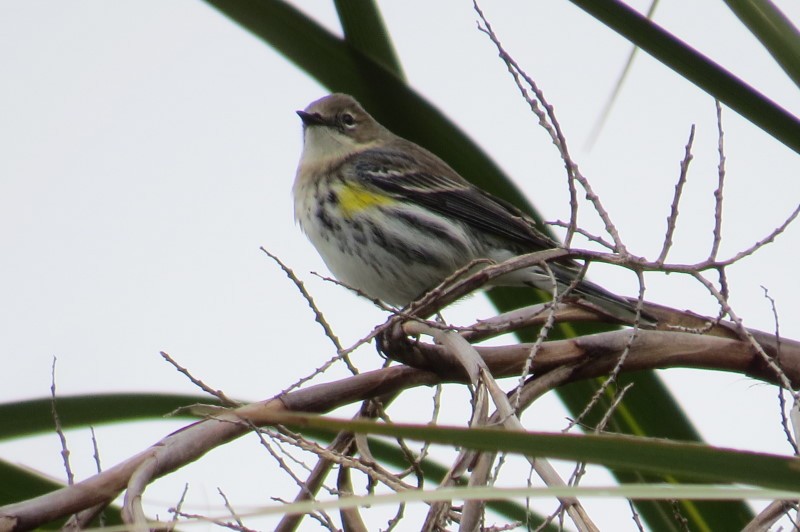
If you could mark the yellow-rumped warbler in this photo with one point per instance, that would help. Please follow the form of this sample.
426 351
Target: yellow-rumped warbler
393 220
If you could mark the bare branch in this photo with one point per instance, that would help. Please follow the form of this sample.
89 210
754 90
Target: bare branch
59 429
345 461
672 219
574 359
612 378
351 518
318 316
543 332
680 519
580 468
763 242
312 484
132 511
219 394
589 236
177 509
547 119
225 524
781 400
720 185
770 361
341 445
769 516
394 521
469 358
635 517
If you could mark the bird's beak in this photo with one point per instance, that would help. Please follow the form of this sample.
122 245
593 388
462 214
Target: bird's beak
311 119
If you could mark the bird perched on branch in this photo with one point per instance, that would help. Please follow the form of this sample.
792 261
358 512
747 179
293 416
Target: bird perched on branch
393 220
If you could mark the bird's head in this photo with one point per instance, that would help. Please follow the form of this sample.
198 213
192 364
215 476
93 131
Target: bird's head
335 127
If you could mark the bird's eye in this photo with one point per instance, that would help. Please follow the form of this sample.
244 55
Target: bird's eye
348 120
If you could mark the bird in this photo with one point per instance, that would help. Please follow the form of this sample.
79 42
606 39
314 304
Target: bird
392 220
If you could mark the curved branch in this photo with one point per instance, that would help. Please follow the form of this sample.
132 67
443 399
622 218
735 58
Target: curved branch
589 356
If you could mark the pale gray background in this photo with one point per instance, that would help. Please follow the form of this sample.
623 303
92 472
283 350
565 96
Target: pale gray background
149 150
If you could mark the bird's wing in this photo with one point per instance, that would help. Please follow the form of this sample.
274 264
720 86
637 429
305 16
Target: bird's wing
439 188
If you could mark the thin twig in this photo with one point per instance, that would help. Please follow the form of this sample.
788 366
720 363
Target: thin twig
635 516
672 219
580 468
547 119
720 185
760 243
225 524
219 394
589 236
315 480
389 480
95 451
176 510
283 465
404 448
781 399
278 458
318 316
544 331
59 430
99 468
398 516
747 335
680 519
612 378
317 371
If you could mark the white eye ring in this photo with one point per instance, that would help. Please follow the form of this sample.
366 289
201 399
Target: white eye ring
348 120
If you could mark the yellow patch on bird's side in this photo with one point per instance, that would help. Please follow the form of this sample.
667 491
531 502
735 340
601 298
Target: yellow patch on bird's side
354 199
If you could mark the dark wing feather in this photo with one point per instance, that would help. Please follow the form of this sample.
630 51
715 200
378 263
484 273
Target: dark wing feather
429 182
440 189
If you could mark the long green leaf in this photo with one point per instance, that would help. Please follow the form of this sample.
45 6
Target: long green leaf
653 455
19 484
776 32
365 31
32 417
25 418
697 68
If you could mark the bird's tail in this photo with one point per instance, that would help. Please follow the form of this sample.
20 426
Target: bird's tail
596 296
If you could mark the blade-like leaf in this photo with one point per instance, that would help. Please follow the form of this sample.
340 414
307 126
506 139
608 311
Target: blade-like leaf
697 68
19 484
365 31
657 456
776 32
27 418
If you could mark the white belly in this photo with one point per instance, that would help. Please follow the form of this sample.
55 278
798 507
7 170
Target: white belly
378 252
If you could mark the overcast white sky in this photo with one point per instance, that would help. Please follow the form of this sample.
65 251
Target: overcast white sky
149 150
